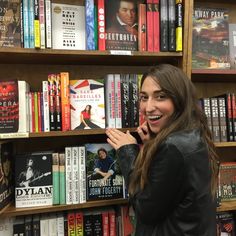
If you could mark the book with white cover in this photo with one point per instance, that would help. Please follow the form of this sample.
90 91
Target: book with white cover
68 27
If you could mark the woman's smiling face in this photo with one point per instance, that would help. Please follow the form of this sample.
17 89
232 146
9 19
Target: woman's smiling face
155 105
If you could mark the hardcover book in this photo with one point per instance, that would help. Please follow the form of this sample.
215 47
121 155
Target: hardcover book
121 31
6 174
232 45
14 108
87 104
104 179
68 26
211 38
33 179
10 22
225 223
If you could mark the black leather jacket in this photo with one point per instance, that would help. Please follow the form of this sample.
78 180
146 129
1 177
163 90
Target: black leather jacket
177 200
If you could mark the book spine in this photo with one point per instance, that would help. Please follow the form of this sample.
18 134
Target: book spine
52 221
51 91
36 116
142 27
55 178
65 102
215 119
36 225
62 178
79 223
42 111
26 23
48 23
36 25
112 222
179 25
57 92
39 112
71 224
171 25
233 104
101 25
28 225
97 223
118 116
46 106
89 16
105 223
31 23
125 100
88 224
110 101
222 118
30 112
33 112
68 166
42 24
229 115
163 26
82 174
60 224
156 26
149 26
75 175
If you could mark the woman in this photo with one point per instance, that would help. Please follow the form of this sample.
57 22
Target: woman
85 118
172 180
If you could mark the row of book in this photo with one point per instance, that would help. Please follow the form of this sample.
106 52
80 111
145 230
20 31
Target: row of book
221 116
65 104
107 221
214 45
75 175
150 25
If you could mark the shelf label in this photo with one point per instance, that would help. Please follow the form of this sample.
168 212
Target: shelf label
14 135
121 52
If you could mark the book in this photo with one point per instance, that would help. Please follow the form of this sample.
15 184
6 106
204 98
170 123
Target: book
142 27
227 181
82 174
33 179
225 223
14 109
28 225
121 29
211 38
19 226
44 225
62 178
104 179
10 19
55 178
87 104
156 25
48 23
37 39
171 25
71 223
149 12
164 26
79 223
68 174
68 26
6 226
232 45
90 27
36 225
179 25
42 24
101 25
6 174
75 175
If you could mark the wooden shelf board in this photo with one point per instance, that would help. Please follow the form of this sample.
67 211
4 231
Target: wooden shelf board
226 144
213 75
227 206
12 211
82 57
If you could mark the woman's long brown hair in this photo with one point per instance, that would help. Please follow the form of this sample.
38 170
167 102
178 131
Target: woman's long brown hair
187 115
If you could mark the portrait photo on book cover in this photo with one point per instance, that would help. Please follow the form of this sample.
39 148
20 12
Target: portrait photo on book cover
33 171
121 25
104 177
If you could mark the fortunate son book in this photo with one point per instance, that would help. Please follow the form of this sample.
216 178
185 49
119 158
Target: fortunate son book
104 179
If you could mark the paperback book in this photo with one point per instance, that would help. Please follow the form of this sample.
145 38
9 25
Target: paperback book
33 179
210 38
104 178
87 104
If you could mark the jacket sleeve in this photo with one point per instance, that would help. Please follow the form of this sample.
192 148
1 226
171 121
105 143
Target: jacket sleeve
158 198
126 156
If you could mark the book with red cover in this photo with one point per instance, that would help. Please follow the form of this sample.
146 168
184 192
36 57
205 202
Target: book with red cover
156 26
71 223
142 27
101 25
149 26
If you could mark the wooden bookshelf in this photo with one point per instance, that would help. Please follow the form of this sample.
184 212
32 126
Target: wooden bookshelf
227 206
12 211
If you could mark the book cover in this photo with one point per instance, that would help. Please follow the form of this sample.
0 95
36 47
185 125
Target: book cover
227 181
10 21
210 38
179 25
121 25
225 224
104 179
87 104
89 17
33 179
68 26
6 174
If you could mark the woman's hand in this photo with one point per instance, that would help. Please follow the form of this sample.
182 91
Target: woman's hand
143 132
116 138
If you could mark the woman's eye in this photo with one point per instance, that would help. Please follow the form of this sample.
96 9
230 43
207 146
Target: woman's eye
161 96
143 98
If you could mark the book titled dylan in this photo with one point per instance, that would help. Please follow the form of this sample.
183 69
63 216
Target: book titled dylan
33 179
104 179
